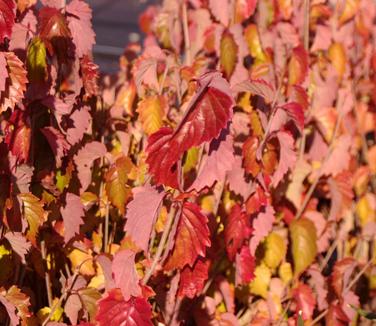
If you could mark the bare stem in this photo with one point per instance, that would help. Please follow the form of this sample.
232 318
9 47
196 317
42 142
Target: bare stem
161 245
306 24
319 317
46 274
357 276
187 42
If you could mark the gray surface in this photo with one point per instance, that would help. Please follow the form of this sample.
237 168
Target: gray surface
115 24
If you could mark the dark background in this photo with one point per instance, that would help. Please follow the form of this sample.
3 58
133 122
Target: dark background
115 24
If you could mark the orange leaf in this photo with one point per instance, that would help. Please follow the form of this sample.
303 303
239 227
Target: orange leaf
152 110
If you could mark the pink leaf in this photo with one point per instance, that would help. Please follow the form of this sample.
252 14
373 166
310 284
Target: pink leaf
220 10
72 214
207 114
287 157
125 273
236 179
3 72
257 87
192 279
79 22
245 266
106 266
262 225
323 38
115 311
19 244
305 300
84 161
339 158
141 214
57 143
319 284
10 308
23 31
217 162
81 120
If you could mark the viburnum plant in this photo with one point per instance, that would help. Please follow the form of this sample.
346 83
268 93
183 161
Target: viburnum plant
225 176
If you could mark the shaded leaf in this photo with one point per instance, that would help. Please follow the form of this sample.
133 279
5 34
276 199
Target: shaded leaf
19 244
84 161
72 214
262 225
57 143
141 214
125 273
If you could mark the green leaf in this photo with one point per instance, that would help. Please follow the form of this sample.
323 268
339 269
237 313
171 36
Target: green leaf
36 60
366 314
300 319
304 248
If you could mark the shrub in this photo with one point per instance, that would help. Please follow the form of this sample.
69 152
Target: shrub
225 175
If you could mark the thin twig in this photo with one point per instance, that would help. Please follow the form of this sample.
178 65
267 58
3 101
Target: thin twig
187 42
319 317
328 255
306 24
47 278
161 245
357 276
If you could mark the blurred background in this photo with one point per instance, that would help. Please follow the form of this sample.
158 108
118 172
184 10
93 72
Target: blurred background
116 24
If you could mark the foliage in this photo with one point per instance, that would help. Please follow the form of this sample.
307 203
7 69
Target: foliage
225 175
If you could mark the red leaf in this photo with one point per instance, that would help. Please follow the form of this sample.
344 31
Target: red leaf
125 273
115 311
192 238
262 225
217 163
305 300
295 112
245 266
72 214
79 22
206 115
336 316
341 274
7 17
57 143
287 157
192 279
298 65
141 214
237 229
84 161
18 136
90 75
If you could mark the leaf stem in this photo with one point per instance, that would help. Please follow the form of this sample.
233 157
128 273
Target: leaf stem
319 317
161 245
46 274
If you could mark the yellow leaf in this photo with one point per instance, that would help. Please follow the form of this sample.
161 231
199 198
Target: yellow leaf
78 257
191 159
349 11
304 247
338 58
32 209
286 8
45 311
275 250
260 284
151 111
161 221
125 98
36 60
4 251
117 189
88 199
285 272
228 53
253 41
366 213
62 180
